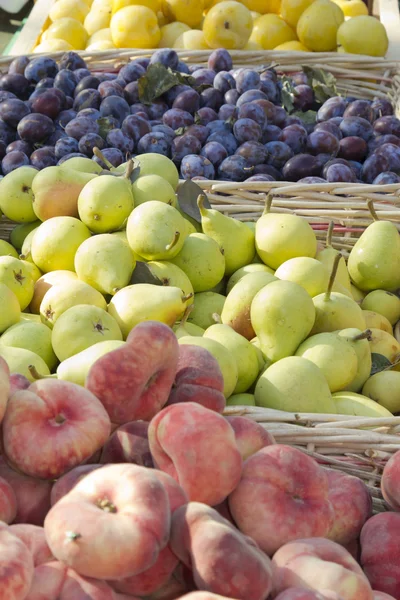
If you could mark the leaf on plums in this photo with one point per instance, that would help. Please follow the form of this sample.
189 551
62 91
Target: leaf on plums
158 80
180 130
308 117
322 82
143 274
288 94
231 121
105 125
379 363
187 194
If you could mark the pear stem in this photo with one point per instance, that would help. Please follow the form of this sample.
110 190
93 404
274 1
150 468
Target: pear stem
216 317
186 315
372 210
129 169
332 277
329 234
268 203
365 335
200 204
187 297
97 152
24 256
36 375
174 241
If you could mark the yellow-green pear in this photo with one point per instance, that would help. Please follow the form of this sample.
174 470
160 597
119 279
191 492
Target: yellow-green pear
225 359
122 236
350 403
62 296
235 239
182 328
153 187
335 311
32 336
374 261
384 388
146 302
307 272
15 275
55 243
381 342
10 312
82 164
333 356
76 368
30 317
105 203
384 303
358 295
374 320
282 315
207 309
32 269
156 231
359 341
19 360
280 237
338 287
236 310
80 327
202 260
241 349
105 262
172 275
294 384
7 250
27 246
241 400
19 233
16 195
56 191
263 361
327 258
157 164
251 268
45 282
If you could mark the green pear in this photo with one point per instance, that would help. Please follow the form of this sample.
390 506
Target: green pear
32 336
27 246
15 275
252 268
235 239
358 295
82 164
282 315
236 311
153 187
7 250
122 236
374 320
359 341
381 342
20 359
327 257
182 328
76 368
384 388
32 269
19 233
10 312
207 309
224 358
146 302
16 195
294 384
263 361
31 318
157 164
156 231
172 275
64 295
44 283
105 203
307 272
55 243
56 191
80 327
335 311
335 357
241 400
383 302
350 403
243 352
280 237
202 260
105 262
374 261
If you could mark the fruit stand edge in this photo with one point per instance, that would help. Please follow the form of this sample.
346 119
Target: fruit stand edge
33 28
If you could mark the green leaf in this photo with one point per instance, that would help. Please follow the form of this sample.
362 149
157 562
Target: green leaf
308 117
379 363
143 274
288 93
158 80
322 82
187 195
105 126
180 130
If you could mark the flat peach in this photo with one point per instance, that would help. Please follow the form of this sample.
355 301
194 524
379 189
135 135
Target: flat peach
250 436
8 502
128 443
16 573
35 540
66 483
390 482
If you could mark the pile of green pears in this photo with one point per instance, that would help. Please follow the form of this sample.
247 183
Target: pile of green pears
292 326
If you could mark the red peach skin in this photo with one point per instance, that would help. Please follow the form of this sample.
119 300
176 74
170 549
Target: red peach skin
35 540
380 552
390 481
48 581
197 447
203 596
198 379
322 566
53 426
65 484
250 436
112 524
382 596
33 495
133 382
16 572
8 502
18 382
303 594
129 443
282 496
352 504
4 386
223 560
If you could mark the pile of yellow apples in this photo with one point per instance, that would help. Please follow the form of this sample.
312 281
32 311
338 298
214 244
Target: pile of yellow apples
282 25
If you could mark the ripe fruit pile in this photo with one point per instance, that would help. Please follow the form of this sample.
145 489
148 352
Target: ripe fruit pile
283 25
215 123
